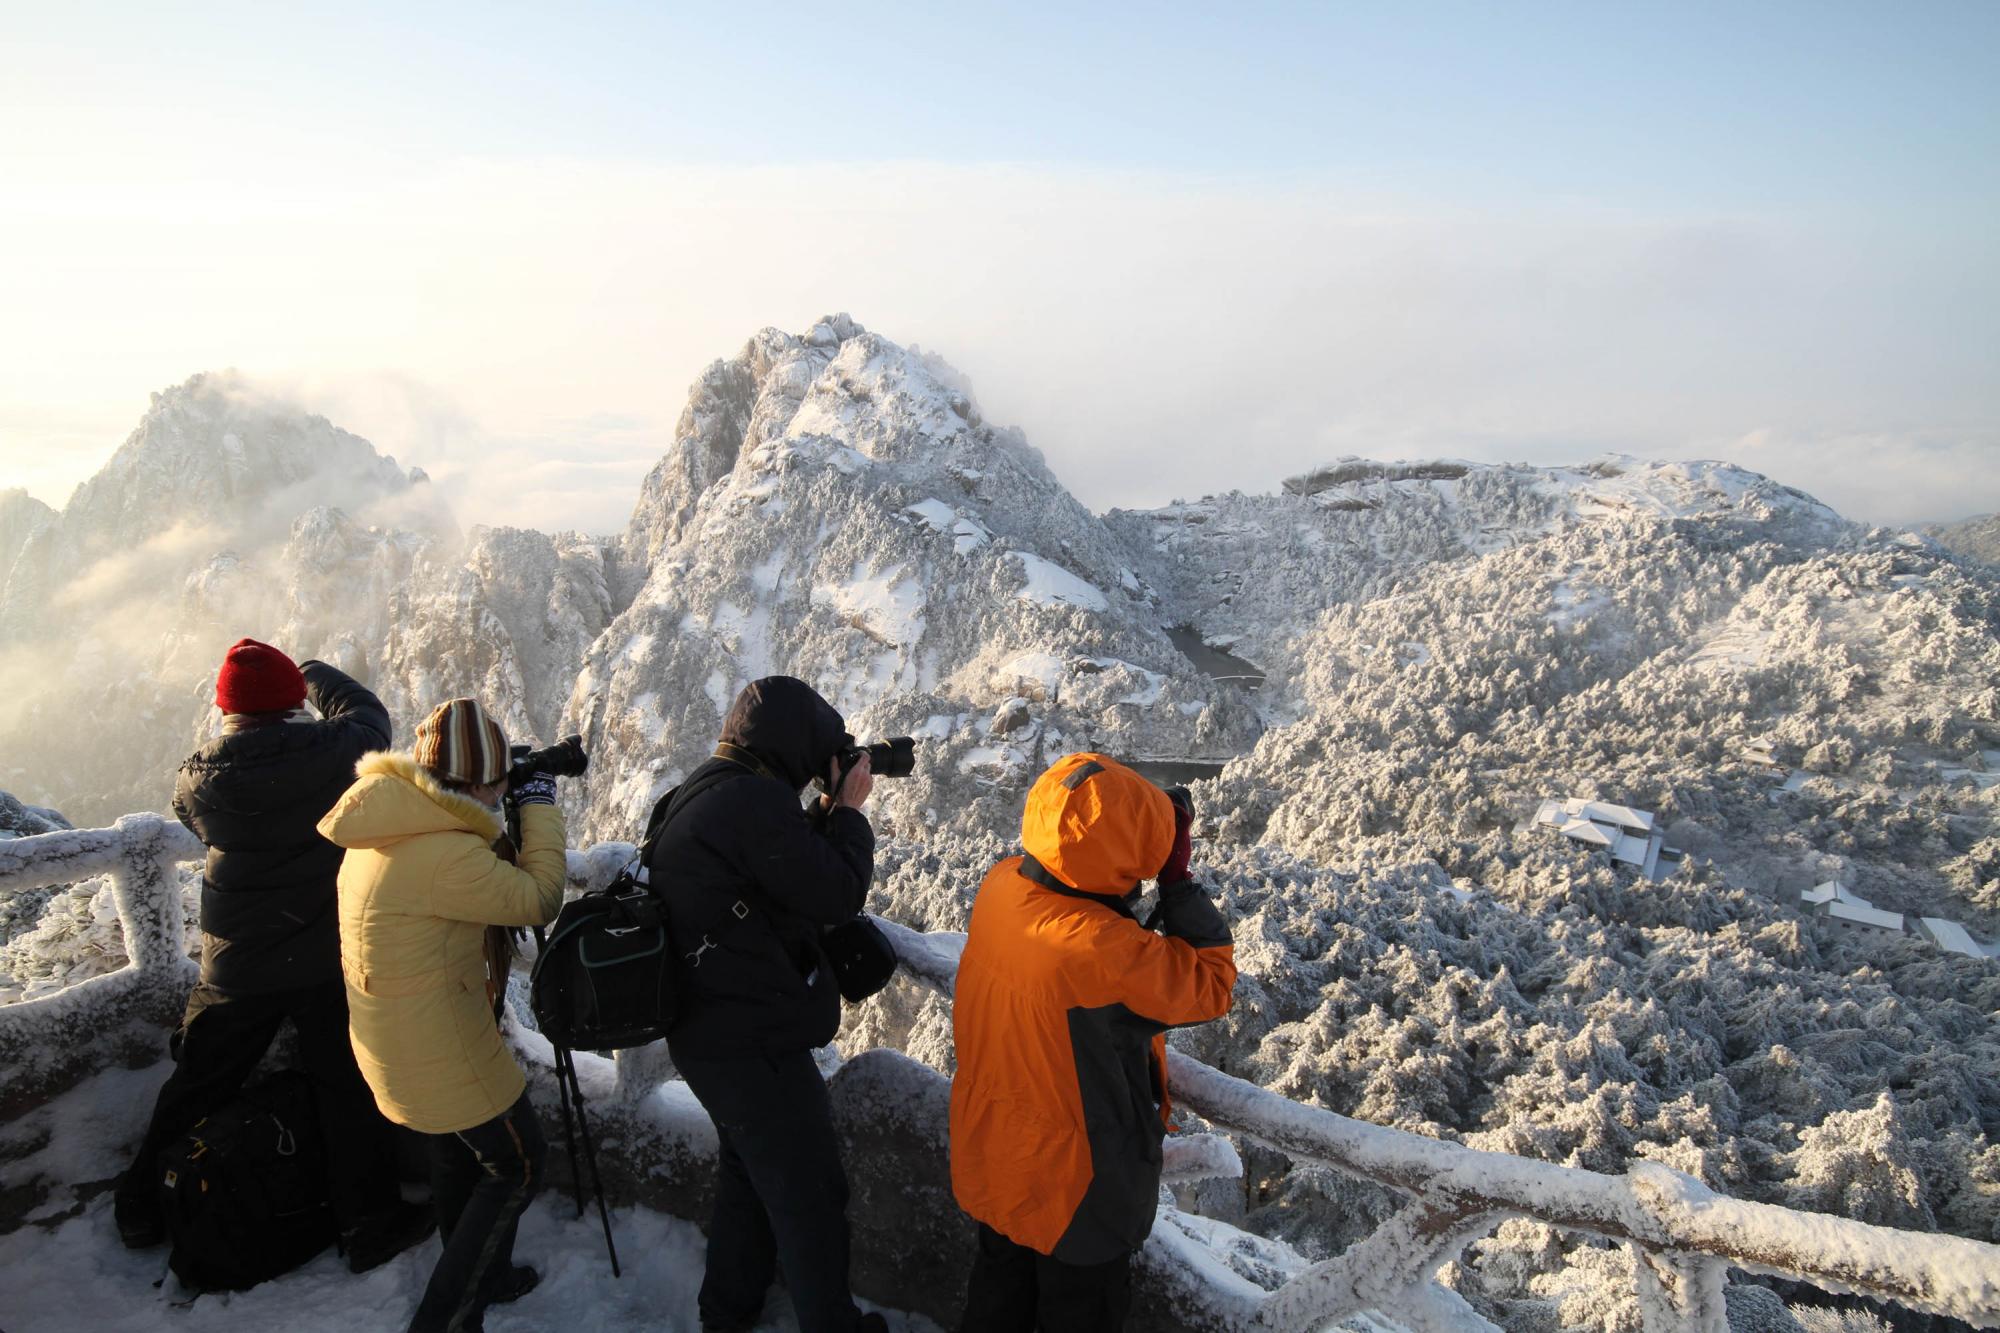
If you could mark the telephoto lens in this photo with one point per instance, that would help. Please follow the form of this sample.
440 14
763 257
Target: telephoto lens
565 759
893 758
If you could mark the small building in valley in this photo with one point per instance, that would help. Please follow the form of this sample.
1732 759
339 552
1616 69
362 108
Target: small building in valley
1848 912
1952 937
1626 834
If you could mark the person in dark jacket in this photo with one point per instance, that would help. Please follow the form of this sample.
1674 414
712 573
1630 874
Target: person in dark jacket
271 939
750 880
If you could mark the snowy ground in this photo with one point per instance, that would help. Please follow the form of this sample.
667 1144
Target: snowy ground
74 1275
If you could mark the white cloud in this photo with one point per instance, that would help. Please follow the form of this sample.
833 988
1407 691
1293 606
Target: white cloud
540 323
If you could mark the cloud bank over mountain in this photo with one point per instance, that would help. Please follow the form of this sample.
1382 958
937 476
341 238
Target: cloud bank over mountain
526 327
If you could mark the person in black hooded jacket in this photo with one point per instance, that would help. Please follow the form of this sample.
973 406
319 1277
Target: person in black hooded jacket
750 879
271 939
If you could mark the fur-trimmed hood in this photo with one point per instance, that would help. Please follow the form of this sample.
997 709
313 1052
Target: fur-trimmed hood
395 797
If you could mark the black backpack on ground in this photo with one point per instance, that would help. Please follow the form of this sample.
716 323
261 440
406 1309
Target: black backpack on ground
243 1193
603 978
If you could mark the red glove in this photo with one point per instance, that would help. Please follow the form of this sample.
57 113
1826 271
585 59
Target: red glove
1176 868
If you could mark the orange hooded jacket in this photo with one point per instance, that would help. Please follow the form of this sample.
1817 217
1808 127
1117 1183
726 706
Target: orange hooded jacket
1059 1104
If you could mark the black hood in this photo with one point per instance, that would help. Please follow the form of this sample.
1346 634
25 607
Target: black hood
785 723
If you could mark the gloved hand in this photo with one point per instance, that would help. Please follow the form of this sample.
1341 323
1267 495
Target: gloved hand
537 790
1187 913
1176 868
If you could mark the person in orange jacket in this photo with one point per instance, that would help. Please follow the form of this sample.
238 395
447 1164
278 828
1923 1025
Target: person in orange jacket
1059 1105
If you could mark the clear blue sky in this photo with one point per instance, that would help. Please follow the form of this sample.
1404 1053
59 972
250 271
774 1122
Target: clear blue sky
1706 105
1519 230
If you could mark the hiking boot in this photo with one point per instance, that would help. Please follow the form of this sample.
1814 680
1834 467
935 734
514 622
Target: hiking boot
513 1284
137 1214
381 1238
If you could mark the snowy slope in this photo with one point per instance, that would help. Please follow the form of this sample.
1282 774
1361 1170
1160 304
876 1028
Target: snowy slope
22 516
1978 538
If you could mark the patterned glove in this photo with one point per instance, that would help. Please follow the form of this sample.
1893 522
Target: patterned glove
537 790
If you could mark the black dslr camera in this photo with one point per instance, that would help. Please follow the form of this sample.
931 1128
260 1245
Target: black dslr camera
893 758
564 759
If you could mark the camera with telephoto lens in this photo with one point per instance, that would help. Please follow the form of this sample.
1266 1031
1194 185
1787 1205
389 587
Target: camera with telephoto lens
893 758
565 759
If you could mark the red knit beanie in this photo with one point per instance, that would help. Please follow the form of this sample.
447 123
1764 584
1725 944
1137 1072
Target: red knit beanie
257 678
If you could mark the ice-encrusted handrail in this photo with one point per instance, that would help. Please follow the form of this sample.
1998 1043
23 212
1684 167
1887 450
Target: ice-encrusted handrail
49 1041
1685 1236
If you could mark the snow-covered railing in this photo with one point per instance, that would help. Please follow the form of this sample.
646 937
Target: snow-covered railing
48 1043
1686 1236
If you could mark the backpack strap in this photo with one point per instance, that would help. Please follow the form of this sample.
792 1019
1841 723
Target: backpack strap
743 764
670 805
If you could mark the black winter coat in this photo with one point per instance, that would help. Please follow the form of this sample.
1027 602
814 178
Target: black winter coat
253 795
763 985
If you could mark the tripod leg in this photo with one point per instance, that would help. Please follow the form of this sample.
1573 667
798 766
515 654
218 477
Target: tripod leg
565 1077
596 1181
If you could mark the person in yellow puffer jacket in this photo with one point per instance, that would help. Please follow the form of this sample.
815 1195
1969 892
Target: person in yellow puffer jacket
420 884
1059 1102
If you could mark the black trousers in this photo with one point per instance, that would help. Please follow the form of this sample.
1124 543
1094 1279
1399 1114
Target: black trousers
1018 1290
482 1180
780 1192
222 1038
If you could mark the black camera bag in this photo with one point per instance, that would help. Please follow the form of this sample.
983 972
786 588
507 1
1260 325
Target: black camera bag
605 978
861 956
243 1192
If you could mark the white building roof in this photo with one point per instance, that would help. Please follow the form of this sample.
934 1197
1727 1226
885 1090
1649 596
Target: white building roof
1834 892
1950 935
1859 915
1584 831
1632 849
1620 816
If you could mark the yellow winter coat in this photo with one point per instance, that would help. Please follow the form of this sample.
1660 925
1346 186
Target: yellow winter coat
418 888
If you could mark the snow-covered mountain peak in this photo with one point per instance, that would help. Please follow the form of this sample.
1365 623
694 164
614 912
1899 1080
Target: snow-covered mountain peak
745 399
836 508
216 450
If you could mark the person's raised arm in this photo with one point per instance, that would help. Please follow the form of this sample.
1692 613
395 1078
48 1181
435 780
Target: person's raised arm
344 701
1171 979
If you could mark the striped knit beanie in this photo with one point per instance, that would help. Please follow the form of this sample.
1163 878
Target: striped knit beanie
460 743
